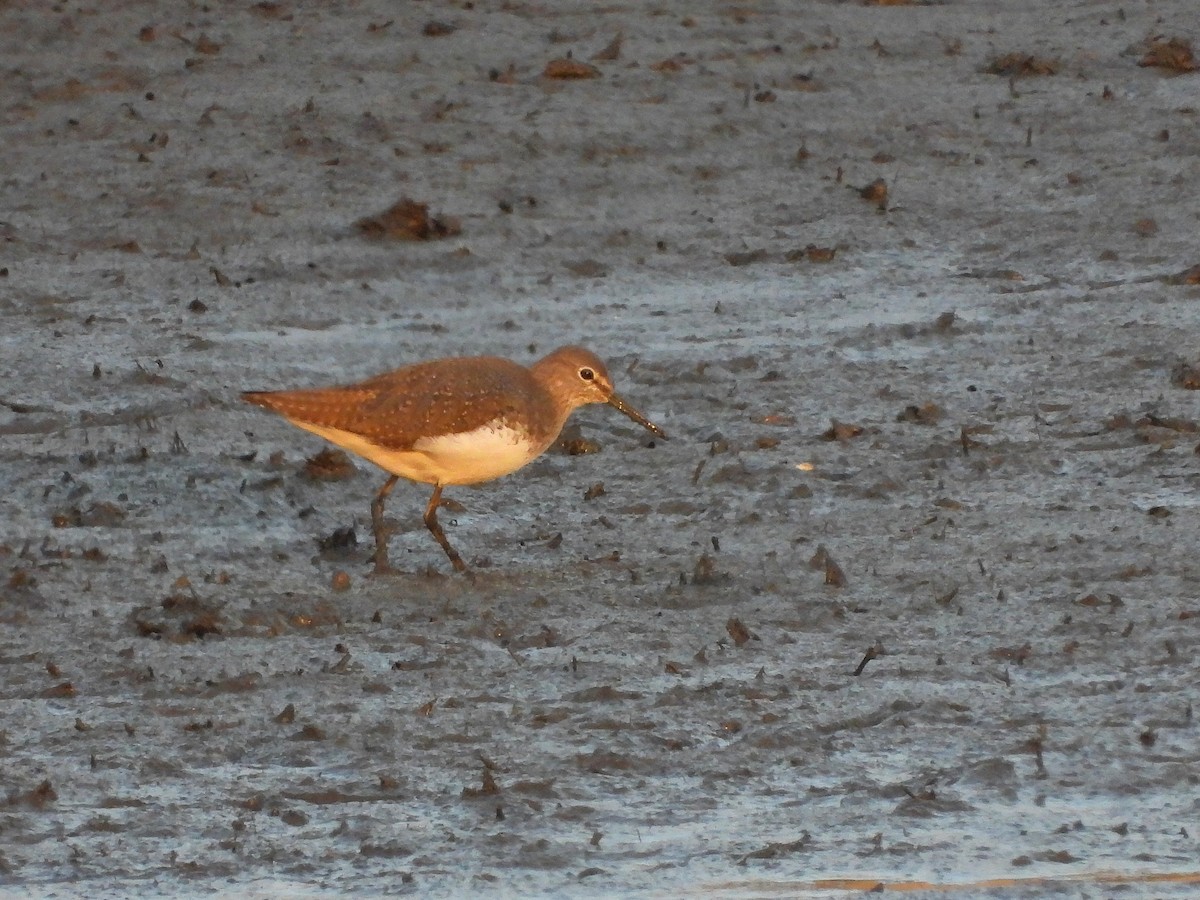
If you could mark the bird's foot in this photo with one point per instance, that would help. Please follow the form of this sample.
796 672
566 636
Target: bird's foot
381 564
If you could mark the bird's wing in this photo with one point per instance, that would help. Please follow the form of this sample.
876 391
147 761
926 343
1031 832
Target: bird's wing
396 409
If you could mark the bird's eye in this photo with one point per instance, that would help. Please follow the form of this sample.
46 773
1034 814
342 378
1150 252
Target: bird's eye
587 374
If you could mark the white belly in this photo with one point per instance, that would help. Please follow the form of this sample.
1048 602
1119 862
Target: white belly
466 458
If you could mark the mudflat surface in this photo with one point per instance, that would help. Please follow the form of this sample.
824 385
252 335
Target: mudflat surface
651 691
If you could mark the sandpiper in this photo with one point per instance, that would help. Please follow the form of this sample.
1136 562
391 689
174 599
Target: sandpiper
463 420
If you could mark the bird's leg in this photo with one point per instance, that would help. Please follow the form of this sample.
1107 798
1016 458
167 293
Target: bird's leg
431 523
380 529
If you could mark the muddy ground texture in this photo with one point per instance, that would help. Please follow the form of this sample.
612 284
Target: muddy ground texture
969 394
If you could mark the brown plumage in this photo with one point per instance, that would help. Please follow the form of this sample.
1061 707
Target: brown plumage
462 420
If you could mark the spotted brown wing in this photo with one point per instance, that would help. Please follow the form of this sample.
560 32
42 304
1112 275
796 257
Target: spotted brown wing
396 409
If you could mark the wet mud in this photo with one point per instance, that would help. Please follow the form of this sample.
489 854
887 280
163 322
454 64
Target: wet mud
911 597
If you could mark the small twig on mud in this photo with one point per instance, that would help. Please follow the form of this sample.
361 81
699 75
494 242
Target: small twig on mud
945 598
773 850
1035 744
873 652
